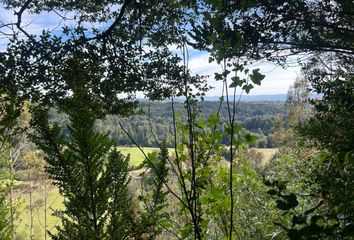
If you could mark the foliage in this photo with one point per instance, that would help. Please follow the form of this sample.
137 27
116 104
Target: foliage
331 177
273 29
331 126
90 176
202 178
94 63
253 212
299 110
130 54
10 104
326 212
13 122
6 181
154 218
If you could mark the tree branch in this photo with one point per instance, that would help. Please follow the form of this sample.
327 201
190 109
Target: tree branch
153 166
19 18
113 25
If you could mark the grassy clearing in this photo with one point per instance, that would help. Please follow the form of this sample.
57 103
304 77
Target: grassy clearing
136 156
54 202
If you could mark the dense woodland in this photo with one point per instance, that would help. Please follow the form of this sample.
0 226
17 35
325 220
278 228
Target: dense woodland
93 60
155 121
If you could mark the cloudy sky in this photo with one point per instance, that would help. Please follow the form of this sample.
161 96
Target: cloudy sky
277 80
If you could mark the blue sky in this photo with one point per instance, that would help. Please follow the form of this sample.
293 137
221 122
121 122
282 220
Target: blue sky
277 80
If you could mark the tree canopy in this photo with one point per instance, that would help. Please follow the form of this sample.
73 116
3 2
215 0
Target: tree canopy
98 55
127 43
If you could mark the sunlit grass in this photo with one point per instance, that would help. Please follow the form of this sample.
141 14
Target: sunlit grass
54 202
136 156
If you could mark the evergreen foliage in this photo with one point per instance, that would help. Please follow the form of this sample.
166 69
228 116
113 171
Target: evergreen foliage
91 176
154 218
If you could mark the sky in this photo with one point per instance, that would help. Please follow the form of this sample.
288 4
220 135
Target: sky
277 80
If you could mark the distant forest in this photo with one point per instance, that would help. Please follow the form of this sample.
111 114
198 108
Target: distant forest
156 120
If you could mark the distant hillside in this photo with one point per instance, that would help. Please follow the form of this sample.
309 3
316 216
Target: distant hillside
256 116
253 98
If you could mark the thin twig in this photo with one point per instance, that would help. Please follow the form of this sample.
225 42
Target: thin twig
152 165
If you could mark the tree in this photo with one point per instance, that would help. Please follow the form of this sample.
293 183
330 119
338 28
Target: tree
130 55
269 29
45 69
13 123
336 158
297 103
331 127
154 218
327 212
90 174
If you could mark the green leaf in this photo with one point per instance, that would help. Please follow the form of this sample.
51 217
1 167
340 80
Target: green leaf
291 199
218 76
236 81
301 219
272 192
248 88
201 123
153 158
348 159
217 193
256 76
283 205
238 128
213 119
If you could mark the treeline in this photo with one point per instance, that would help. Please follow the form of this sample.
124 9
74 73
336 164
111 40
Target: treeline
155 122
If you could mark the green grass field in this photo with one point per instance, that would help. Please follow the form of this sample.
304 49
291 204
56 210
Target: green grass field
54 202
136 156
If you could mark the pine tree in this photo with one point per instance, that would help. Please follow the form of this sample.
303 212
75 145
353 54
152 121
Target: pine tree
91 176
120 204
154 218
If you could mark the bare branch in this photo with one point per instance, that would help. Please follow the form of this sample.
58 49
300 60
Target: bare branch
152 165
113 25
19 18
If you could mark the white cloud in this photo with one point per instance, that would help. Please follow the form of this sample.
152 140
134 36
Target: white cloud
200 64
